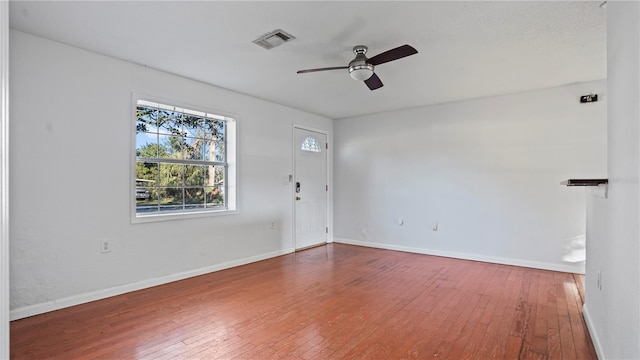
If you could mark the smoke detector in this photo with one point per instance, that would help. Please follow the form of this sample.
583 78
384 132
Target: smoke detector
273 39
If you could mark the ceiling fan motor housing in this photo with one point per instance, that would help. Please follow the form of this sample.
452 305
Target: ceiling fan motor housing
359 68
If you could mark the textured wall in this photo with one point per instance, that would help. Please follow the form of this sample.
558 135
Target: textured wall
488 171
70 171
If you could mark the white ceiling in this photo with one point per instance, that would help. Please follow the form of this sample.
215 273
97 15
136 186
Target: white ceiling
466 49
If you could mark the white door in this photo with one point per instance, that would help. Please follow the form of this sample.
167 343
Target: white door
310 184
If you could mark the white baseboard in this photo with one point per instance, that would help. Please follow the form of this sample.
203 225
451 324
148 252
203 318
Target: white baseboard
576 269
592 331
41 308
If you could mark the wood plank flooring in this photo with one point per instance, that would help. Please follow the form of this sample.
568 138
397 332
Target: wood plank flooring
330 302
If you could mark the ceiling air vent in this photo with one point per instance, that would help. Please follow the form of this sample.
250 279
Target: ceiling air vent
273 39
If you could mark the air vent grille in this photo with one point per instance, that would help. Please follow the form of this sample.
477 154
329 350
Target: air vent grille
273 39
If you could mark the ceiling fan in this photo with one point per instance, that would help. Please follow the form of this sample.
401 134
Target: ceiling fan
361 68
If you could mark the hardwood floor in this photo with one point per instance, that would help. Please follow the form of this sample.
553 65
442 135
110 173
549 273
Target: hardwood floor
330 302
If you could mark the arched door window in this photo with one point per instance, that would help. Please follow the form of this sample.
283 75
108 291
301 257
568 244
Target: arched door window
310 144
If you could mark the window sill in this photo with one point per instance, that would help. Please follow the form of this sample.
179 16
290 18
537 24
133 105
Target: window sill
141 219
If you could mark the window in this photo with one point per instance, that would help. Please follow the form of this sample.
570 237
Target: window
184 161
310 144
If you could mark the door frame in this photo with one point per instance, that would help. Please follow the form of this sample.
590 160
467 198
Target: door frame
329 157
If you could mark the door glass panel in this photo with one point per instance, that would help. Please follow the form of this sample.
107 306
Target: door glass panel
310 143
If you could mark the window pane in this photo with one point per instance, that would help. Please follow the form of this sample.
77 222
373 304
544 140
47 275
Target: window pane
170 198
171 147
147 145
171 174
146 119
175 121
146 173
208 150
194 149
219 175
164 123
215 196
145 193
192 126
214 151
220 151
194 175
170 123
194 196
146 196
213 128
209 172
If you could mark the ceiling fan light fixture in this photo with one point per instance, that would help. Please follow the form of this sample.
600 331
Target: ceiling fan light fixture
361 72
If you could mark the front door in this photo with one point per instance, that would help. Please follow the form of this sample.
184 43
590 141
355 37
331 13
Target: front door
310 182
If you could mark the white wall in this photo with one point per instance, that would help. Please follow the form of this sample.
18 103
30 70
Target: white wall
4 180
487 170
70 151
613 233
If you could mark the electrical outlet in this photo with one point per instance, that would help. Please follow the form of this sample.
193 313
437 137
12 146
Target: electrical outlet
105 246
272 225
435 226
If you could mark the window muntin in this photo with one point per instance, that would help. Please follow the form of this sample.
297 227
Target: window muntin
181 161
310 143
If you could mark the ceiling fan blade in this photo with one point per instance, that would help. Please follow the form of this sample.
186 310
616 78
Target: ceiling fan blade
322 69
393 54
374 82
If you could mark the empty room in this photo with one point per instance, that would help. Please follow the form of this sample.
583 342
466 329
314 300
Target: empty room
320 180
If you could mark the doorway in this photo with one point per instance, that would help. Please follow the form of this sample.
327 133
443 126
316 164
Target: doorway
310 188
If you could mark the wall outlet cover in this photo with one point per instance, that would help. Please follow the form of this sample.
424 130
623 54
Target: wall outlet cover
105 246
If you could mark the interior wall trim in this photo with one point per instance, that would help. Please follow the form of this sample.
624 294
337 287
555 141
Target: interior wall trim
575 269
592 331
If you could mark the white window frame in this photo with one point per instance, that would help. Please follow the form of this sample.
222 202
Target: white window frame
231 135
